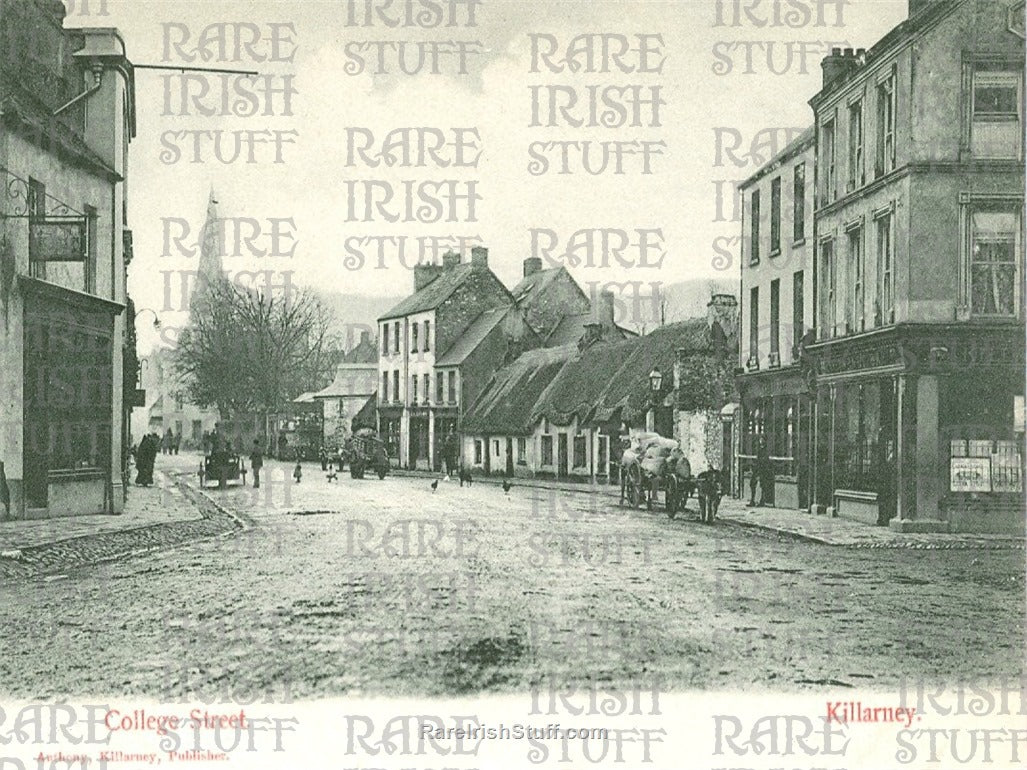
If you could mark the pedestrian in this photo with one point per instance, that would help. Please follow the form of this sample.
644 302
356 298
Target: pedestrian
145 457
167 442
178 442
256 462
297 472
762 474
323 456
451 450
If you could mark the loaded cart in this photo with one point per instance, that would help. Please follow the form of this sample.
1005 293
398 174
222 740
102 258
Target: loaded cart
652 464
365 451
219 465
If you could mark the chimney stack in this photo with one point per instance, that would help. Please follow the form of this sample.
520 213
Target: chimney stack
532 265
479 258
605 310
723 310
450 259
838 65
424 275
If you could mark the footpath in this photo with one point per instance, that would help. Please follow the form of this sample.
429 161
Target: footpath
163 516
800 525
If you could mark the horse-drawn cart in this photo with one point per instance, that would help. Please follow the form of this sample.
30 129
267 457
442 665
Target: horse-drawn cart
365 451
652 464
222 465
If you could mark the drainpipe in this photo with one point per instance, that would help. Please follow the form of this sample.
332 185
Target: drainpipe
97 76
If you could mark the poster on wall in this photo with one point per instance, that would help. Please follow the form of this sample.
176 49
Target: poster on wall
970 474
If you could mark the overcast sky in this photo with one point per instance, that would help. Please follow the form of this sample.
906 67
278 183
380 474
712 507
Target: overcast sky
704 83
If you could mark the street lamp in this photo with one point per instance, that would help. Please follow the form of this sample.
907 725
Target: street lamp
655 380
156 320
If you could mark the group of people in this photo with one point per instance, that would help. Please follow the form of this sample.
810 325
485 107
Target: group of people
171 442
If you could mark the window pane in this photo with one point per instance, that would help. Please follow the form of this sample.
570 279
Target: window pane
993 287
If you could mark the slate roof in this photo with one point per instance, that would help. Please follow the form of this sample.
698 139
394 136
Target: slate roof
21 107
534 285
365 418
432 295
347 377
474 335
505 406
610 381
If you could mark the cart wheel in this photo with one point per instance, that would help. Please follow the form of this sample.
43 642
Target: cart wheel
672 496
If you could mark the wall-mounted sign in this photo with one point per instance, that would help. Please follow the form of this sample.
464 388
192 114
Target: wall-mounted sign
57 239
970 474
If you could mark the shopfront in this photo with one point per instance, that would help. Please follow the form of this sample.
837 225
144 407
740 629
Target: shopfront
919 426
68 401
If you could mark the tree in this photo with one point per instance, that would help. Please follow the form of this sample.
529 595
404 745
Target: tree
250 351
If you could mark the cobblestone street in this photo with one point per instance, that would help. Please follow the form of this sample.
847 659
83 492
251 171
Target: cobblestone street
390 587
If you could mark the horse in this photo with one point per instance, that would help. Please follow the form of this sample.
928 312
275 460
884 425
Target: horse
709 491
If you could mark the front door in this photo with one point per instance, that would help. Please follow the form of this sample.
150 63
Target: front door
561 454
509 457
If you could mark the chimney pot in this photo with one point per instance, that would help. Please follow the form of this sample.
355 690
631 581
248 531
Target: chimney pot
849 52
532 265
836 52
450 259
479 257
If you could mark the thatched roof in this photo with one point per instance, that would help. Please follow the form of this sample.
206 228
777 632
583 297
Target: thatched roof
610 382
506 404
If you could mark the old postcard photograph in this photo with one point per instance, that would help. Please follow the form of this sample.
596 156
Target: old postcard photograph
502 384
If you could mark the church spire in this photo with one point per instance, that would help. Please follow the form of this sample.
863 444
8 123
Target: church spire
210 269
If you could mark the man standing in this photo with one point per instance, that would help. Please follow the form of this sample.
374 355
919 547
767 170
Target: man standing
762 474
256 462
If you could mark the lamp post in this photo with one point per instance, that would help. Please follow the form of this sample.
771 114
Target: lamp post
655 391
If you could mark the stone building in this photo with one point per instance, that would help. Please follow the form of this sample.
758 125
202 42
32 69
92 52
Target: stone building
67 107
918 362
438 348
776 315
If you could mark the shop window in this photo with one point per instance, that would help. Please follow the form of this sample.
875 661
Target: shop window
547 450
